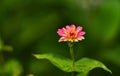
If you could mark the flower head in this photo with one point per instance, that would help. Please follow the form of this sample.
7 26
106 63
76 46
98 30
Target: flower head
71 33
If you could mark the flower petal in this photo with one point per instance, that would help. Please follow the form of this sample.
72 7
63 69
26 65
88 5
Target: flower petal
61 32
81 33
73 27
62 39
79 28
68 29
81 38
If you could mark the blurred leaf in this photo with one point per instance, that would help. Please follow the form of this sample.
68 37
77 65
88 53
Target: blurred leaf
104 19
1 44
109 19
85 65
13 68
35 27
59 61
8 48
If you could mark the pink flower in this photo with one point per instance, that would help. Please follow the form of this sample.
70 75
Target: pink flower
71 33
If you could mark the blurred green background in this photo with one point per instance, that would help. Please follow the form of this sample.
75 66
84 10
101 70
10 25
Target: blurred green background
29 26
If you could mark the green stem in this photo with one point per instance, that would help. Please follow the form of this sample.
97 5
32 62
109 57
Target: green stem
72 56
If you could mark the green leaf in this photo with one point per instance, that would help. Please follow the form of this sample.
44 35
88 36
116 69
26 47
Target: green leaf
59 61
85 65
82 74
